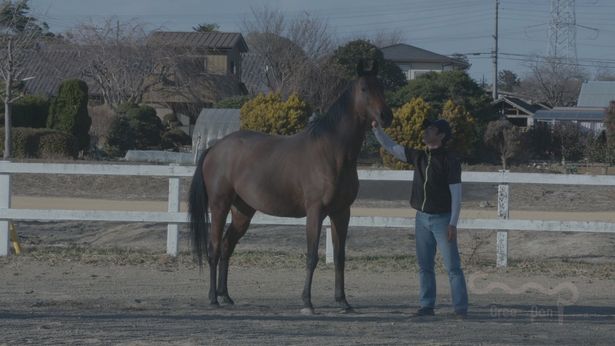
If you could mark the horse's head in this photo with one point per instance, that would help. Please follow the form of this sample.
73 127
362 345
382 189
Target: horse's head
369 97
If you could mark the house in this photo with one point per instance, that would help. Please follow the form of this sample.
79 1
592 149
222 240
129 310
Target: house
590 112
518 111
414 61
207 69
218 52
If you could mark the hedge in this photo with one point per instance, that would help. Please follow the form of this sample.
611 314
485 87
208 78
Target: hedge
41 143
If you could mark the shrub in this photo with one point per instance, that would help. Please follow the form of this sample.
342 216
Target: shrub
233 102
540 141
146 125
570 141
69 111
406 129
596 149
41 143
463 127
29 111
174 139
170 121
120 138
269 114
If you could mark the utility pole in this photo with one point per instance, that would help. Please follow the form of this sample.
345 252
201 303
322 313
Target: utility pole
7 101
495 54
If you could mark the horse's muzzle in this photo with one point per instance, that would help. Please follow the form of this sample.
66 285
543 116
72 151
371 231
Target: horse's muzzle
386 118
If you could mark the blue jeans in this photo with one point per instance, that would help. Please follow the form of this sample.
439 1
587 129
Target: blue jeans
432 230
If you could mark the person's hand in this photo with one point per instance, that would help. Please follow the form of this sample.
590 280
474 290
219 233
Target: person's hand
374 124
452 232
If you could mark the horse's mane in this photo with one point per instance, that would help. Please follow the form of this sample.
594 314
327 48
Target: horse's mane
331 118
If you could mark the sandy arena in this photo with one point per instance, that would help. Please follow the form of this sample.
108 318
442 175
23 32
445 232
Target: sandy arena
110 283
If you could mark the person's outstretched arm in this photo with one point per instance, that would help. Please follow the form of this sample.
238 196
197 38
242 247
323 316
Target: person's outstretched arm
389 144
455 203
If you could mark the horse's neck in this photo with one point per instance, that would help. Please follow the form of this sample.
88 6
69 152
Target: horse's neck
349 135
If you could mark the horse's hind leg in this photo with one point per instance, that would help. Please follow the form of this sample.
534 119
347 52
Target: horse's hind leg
218 219
241 216
339 228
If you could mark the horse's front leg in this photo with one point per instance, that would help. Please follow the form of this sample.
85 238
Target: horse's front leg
339 231
313 228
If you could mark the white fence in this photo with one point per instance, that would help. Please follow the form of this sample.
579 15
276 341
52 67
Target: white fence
173 217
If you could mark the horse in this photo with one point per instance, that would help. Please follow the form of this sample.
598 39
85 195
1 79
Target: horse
310 174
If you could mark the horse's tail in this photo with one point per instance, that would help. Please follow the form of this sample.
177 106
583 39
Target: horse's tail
197 208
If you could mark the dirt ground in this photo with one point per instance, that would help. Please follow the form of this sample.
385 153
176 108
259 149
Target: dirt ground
110 283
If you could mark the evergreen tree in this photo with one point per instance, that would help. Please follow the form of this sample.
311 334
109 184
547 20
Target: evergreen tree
69 111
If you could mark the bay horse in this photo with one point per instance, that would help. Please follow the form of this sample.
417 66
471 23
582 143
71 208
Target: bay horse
311 174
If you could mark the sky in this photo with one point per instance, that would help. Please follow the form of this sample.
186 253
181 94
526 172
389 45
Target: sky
442 26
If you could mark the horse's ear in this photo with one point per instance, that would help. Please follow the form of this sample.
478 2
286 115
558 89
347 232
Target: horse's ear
360 68
369 68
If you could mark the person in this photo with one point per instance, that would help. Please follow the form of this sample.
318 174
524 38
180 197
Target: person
436 196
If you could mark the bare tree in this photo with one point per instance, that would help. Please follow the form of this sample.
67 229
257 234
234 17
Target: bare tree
604 73
119 60
294 54
387 38
555 81
504 138
18 36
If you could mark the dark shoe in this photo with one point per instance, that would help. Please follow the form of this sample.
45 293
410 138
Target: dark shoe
461 315
424 312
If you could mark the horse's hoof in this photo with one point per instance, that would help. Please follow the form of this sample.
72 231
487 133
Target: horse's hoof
226 300
214 304
347 310
308 311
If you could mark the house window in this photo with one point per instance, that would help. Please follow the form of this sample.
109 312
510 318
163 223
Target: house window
233 68
417 73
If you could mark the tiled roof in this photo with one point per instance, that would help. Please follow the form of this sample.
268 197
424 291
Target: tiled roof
50 66
209 40
406 53
571 113
521 104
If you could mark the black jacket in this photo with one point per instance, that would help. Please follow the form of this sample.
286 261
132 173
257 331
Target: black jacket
434 171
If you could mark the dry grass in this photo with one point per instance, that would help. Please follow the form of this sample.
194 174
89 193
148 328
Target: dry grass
54 255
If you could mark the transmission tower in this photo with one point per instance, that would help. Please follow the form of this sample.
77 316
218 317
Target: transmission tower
562 34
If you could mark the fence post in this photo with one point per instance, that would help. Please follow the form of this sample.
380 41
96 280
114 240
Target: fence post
502 236
173 228
5 203
328 246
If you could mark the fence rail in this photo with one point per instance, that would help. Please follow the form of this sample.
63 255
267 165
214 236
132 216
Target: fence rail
173 217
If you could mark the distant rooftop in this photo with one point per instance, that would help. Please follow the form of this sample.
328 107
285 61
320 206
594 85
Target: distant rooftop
406 53
210 40
571 113
596 94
